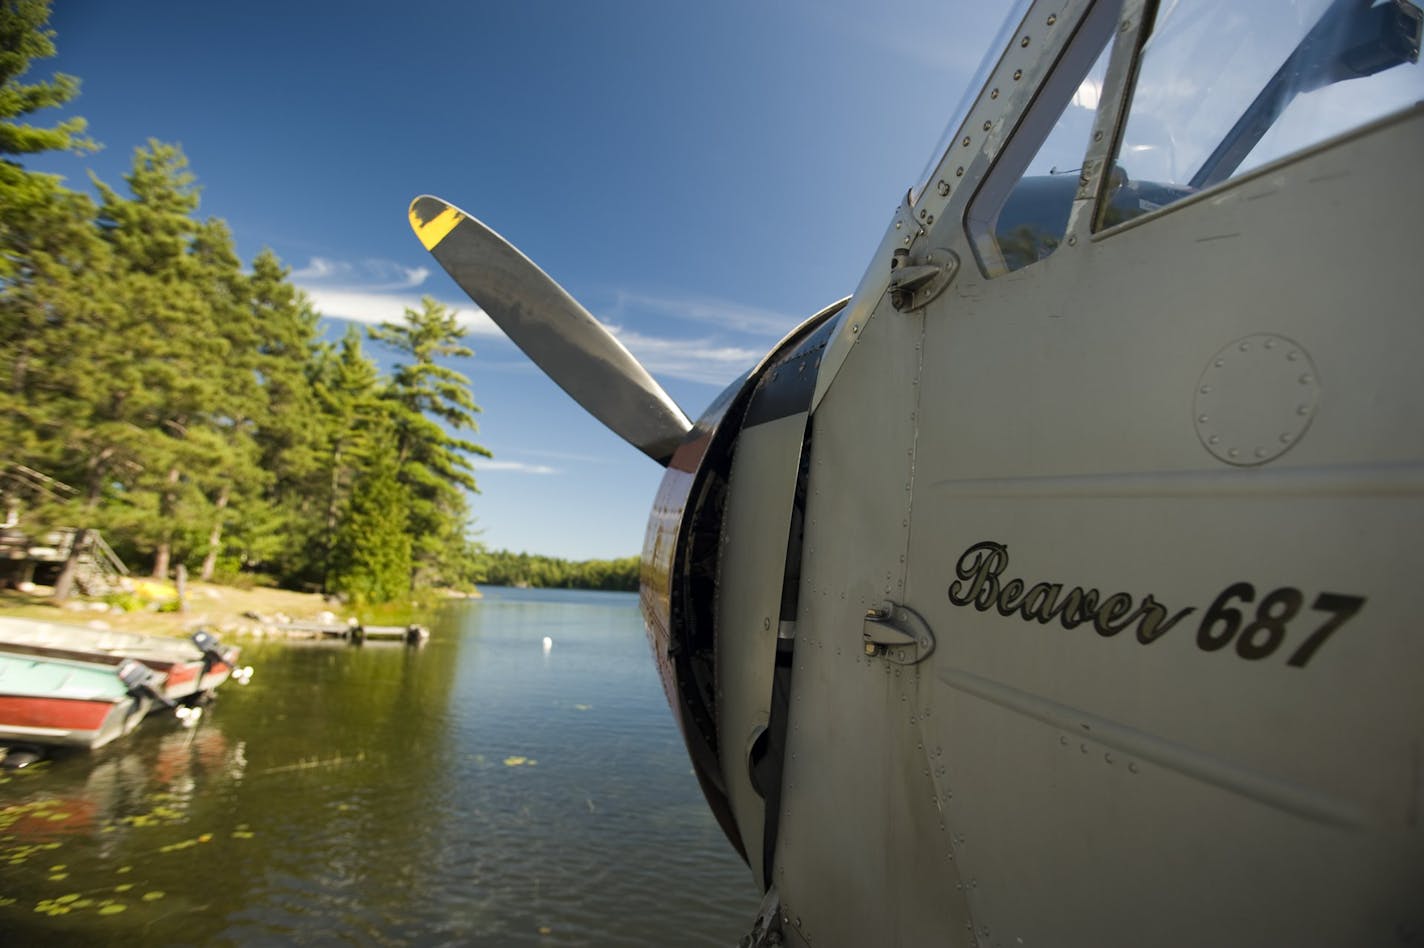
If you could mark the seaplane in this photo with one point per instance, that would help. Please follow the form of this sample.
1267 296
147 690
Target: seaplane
1059 586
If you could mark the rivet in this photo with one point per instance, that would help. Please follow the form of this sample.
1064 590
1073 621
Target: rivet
1306 379
1245 347
1261 452
1214 439
1292 356
1218 363
1126 25
1063 740
993 93
1097 136
1202 419
855 327
907 240
965 142
987 125
1073 240
1270 343
1205 390
1024 42
1302 409
1233 453
1107 758
923 212
943 188
959 172
1083 748
1132 767
899 224
1052 18
1018 74
1286 438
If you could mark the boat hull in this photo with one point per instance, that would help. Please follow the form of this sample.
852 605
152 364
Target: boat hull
56 701
188 675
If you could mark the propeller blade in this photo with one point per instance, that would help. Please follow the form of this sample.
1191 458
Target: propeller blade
563 338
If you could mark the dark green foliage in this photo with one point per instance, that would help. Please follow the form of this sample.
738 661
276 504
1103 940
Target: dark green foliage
25 37
503 568
372 550
427 401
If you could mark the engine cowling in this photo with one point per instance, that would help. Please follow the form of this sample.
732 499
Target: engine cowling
715 599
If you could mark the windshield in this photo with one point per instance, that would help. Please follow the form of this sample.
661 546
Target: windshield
1226 86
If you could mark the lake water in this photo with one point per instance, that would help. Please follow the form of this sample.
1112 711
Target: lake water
478 790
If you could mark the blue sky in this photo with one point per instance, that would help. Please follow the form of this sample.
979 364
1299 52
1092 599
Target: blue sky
701 176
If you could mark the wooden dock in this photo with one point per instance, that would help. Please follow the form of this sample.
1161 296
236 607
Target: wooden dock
356 633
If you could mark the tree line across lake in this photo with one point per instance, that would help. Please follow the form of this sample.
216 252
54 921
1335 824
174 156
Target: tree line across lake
192 404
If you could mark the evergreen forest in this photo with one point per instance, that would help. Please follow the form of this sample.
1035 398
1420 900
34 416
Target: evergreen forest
187 406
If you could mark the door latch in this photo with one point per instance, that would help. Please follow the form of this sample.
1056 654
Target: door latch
897 634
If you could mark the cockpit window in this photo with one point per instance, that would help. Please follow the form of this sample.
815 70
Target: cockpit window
1020 213
1226 86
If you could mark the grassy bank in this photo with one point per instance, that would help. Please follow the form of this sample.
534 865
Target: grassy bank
225 609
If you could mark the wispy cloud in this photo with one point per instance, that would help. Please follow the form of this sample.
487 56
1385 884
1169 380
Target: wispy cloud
367 306
723 314
520 467
694 360
372 275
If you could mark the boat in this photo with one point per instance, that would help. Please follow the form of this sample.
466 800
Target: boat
49 700
191 669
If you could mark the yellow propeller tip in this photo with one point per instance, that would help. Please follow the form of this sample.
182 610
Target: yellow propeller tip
431 231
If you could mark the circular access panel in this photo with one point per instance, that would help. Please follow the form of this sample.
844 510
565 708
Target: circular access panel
1255 399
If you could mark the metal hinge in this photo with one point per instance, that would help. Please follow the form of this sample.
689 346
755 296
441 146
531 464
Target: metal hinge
766 930
914 282
898 634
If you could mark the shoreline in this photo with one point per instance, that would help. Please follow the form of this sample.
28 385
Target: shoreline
227 611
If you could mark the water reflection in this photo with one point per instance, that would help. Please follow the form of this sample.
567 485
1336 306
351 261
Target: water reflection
484 789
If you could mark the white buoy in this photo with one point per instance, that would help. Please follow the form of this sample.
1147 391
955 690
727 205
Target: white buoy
548 644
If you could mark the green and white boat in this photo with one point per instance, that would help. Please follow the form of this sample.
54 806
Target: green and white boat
57 701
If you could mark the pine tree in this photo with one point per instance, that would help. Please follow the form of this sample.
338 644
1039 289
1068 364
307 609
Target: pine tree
372 556
29 198
353 419
231 477
50 259
170 325
429 400
285 533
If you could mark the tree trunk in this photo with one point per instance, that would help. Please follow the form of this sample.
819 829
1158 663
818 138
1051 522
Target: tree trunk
330 516
166 503
181 582
95 480
64 585
210 562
